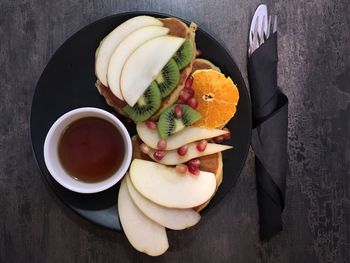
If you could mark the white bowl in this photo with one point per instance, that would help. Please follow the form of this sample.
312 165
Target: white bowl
51 151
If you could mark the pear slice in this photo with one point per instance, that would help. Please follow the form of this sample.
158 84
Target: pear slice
112 40
143 234
144 65
171 218
172 157
164 186
187 135
124 50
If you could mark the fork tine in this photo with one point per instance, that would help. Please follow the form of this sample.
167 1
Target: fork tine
262 33
256 35
275 25
268 27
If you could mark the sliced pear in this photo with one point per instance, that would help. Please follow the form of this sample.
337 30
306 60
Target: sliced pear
171 218
172 158
144 65
112 40
164 186
187 135
143 234
124 50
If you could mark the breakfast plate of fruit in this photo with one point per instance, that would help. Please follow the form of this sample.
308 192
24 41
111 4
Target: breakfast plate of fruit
184 104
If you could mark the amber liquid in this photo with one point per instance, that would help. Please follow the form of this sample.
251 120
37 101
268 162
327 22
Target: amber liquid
91 149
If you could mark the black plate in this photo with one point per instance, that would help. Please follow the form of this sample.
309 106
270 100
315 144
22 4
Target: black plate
68 83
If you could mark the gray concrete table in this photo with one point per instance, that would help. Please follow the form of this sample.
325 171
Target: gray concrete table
314 71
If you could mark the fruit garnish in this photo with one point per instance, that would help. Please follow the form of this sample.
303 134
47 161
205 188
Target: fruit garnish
193 170
184 96
190 91
189 134
188 83
193 103
161 145
176 219
180 101
162 185
182 150
169 124
178 111
140 229
168 78
227 136
181 168
159 155
194 162
151 124
172 157
124 49
184 55
112 40
217 98
218 139
201 145
144 64
147 104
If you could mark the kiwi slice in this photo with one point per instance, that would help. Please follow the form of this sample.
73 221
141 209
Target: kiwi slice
169 124
147 104
184 55
168 78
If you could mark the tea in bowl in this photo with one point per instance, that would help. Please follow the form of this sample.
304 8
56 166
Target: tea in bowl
87 150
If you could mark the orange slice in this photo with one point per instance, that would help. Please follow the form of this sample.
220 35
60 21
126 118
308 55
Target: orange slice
217 98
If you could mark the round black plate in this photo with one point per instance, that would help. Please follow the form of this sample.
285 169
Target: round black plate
68 83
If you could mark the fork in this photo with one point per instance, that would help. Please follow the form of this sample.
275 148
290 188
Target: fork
258 38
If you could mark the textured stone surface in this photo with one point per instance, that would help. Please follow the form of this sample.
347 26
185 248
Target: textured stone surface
314 71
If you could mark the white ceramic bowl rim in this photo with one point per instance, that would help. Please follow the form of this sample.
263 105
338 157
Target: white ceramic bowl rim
51 154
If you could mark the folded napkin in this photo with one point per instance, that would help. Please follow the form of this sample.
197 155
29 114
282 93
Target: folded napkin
269 136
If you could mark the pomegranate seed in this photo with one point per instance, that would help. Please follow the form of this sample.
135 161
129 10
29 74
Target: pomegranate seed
151 124
144 148
128 121
227 135
158 155
189 81
180 101
182 150
184 96
189 91
218 139
195 163
181 168
201 145
192 102
178 111
161 145
198 52
193 170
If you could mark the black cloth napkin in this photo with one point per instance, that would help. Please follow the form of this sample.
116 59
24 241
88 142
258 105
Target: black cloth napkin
269 136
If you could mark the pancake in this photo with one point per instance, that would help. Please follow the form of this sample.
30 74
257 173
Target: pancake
176 28
201 63
211 163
